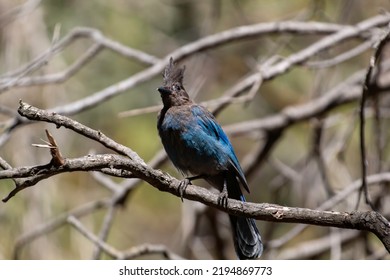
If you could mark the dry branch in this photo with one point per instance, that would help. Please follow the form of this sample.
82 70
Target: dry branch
367 90
368 221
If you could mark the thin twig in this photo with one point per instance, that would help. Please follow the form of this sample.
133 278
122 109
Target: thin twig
240 33
330 204
312 248
56 223
369 80
105 229
111 251
347 91
340 58
114 253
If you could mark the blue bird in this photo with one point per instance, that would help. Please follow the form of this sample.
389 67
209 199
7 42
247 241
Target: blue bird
197 145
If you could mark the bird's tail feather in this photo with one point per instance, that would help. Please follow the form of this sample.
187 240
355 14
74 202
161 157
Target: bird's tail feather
247 240
246 236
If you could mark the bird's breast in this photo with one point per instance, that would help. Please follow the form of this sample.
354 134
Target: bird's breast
191 148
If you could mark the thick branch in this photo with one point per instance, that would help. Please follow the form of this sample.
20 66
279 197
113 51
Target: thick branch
33 113
369 221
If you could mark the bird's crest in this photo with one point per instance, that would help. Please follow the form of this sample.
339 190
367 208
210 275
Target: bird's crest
173 74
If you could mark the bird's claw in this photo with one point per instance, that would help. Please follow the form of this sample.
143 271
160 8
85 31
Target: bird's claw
223 198
183 186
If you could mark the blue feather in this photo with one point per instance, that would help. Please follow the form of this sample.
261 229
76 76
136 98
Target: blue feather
197 145
207 121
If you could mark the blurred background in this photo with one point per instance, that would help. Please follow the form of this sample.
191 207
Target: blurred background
292 175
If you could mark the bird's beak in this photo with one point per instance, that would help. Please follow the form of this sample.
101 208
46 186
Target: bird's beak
164 90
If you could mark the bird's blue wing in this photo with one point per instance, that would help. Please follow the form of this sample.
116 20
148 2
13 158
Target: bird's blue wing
209 124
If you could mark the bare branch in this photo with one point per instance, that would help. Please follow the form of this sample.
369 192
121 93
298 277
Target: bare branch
57 223
347 91
367 89
147 249
369 221
331 203
314 247
340 58
33 113
111 251
230 36
77 33
105 229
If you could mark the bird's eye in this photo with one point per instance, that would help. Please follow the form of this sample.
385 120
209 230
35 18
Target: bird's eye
176 87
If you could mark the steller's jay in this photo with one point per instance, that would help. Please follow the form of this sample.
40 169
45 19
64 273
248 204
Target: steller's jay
197 145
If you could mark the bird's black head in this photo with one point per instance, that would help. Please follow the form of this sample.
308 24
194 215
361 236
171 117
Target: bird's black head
172 92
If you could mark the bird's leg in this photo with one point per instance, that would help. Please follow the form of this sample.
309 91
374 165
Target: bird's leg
185 182
201 176
223 195
182 187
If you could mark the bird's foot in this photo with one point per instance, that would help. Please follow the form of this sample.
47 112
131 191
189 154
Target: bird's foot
183 186
223 198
